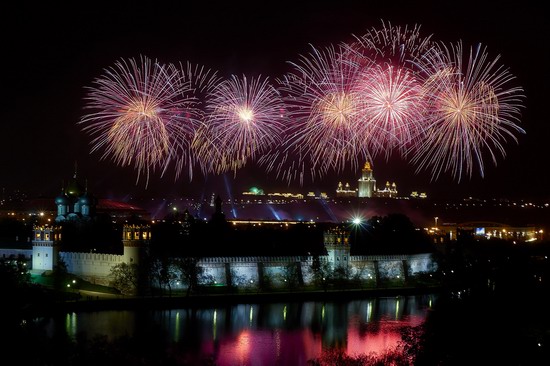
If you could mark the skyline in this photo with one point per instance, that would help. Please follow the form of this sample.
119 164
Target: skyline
61 55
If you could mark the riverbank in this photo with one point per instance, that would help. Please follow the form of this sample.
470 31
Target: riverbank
120 302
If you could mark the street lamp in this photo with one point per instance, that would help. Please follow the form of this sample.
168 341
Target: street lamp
436 218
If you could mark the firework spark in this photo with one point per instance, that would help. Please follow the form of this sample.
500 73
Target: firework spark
390 90
394 108
325 110
138 116
472 111
197 84
394 45
244 122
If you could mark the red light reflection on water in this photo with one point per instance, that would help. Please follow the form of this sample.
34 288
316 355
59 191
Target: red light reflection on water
264 347
296 347
385 337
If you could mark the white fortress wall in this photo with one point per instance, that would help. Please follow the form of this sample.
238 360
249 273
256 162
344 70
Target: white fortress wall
6 253
391 269
244 273
362 269
88 265
421 263
307 272
214 274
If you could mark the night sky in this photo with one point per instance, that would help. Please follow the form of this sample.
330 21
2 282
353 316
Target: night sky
52 52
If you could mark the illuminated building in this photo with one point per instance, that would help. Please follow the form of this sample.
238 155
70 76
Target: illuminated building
415 194
345 191
254 191
367 183
367 186
390 190
487 230
75 203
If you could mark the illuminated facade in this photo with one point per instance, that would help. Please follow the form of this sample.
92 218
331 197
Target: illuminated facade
487 230
389 191
367 183
366 186
345 191
93 267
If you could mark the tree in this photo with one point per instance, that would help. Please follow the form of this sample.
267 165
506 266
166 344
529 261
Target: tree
14 273
291 276
162 271
190 272
322 273
125 277
60 274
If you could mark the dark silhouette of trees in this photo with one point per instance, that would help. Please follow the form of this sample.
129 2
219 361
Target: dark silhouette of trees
391 234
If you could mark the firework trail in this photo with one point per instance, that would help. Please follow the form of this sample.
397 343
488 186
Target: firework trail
389 86
244 120
196 84
394 109
138 116
390 90
325 110
472 111
395 45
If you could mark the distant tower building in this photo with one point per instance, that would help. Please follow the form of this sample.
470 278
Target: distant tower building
367 183
389 191
345 191
45 247
135 239
337 244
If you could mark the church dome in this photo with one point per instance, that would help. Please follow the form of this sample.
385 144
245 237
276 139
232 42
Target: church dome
61 200
73 189
87 199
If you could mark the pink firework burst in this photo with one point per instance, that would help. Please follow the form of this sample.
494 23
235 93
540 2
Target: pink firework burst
394 108
197 84
138 116
325 109
473 111
244 121
396 45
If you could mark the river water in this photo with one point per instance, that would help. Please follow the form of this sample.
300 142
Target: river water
285 333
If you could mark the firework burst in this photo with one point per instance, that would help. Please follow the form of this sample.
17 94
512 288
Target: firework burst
472 111
196 84
245 120
325 110
394 45
390 90
394 108
138 116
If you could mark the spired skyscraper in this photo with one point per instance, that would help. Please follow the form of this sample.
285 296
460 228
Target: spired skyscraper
366 187
367 183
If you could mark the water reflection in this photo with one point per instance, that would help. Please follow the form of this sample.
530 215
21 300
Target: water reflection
260 334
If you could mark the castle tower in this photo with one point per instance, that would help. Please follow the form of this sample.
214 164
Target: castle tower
337 244
367 183
45 247
394 189
135 239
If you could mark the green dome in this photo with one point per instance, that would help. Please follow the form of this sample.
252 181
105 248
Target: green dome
74 189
